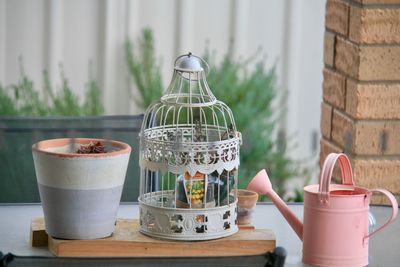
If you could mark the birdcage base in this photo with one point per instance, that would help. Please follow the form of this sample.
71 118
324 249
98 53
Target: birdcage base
161 220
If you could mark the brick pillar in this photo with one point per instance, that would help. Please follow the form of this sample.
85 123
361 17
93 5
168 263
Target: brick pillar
360 112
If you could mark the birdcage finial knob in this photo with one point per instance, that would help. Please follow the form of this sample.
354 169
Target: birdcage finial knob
189 160
189 63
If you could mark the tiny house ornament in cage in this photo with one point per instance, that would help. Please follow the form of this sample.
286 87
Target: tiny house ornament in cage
189 159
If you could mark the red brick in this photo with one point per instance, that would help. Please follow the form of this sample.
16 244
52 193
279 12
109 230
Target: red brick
382 200
352 99
373 101
327 147
334 88
368 63
367 138
347 57
361 90
379 63
329 49
377 138
337 16
343 130
355 24
377 173
326 120
379 2
374 26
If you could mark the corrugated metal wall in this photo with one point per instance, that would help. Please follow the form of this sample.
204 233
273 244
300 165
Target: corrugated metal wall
49 32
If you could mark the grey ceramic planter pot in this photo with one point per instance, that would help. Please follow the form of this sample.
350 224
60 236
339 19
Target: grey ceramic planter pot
80 193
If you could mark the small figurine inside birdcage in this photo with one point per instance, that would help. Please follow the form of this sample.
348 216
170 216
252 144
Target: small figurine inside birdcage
189 159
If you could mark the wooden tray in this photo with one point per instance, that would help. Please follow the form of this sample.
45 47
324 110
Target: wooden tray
128 241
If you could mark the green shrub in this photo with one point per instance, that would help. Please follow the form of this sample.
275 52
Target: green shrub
249 93
144 69
24 99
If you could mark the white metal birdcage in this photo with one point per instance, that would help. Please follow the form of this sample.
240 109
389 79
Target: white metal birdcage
189 159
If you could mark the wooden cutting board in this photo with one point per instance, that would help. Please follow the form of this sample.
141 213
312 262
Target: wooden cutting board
128 241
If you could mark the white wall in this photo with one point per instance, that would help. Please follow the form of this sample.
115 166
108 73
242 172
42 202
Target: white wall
304 80
48 32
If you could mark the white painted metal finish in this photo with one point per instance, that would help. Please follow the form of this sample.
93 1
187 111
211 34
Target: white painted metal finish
189 160
289 33
185 224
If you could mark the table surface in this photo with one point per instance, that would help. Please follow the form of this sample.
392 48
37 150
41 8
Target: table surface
384 246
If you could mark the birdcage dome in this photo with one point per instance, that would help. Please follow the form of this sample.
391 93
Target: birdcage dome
189 159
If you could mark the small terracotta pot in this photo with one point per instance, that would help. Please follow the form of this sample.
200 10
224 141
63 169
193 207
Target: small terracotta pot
80 193
247 201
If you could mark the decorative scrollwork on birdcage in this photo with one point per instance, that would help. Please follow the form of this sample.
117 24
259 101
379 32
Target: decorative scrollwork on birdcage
196 157
189 160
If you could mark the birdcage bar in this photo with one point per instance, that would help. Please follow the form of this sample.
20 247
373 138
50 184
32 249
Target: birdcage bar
189 156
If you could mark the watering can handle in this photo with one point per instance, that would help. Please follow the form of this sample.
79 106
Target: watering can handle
326 174
395 205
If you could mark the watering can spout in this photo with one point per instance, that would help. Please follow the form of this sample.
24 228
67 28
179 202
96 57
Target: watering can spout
262 185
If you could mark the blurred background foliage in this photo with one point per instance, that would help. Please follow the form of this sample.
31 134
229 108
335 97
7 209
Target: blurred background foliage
24 98
247 87
144 69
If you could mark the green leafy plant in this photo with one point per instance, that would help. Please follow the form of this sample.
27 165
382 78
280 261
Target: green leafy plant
249 93
24 99
144 69
7 104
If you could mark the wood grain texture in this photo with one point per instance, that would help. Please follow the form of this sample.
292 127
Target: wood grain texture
38 235
128 241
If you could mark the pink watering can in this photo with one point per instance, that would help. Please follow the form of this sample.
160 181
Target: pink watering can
335 229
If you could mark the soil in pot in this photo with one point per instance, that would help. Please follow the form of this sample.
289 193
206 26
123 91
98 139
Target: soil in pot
247 201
